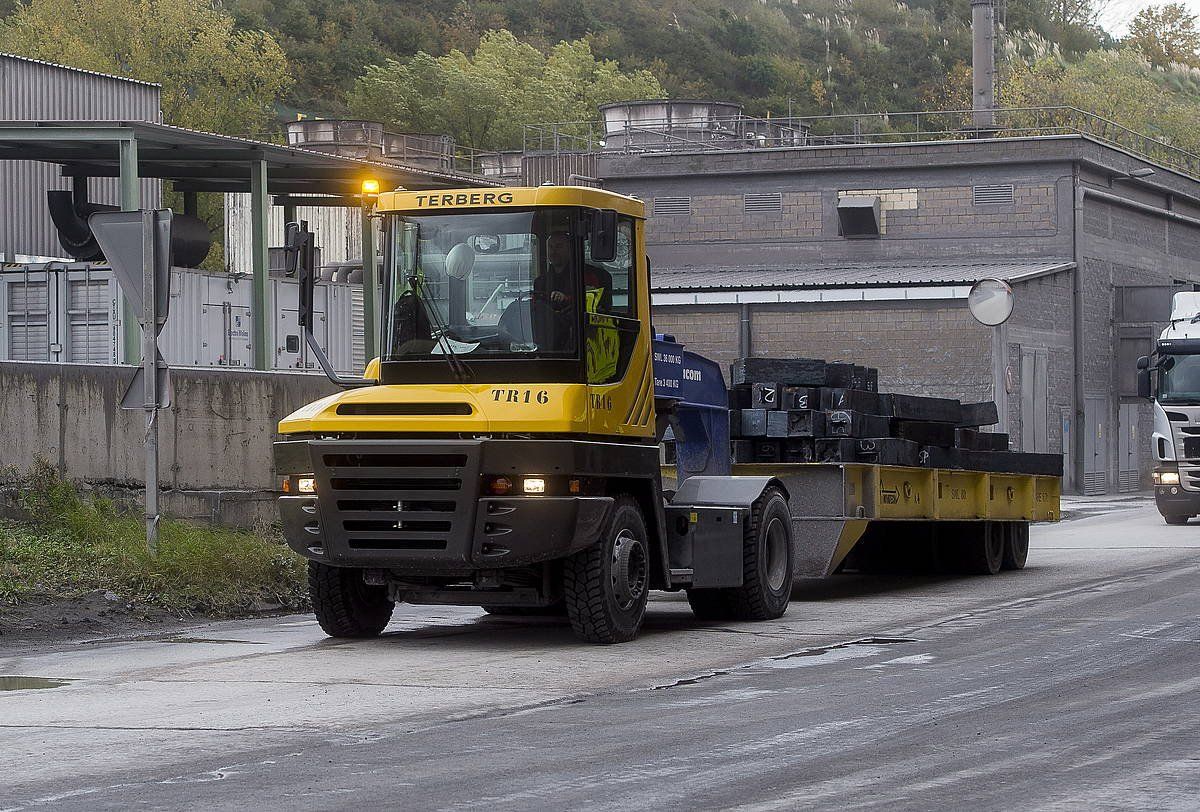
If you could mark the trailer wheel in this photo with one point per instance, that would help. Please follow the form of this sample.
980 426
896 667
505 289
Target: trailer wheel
606 585
344 604
983 549
767 562
1176 519
1016 545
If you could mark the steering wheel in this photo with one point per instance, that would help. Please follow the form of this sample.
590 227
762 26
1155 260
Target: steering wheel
527 309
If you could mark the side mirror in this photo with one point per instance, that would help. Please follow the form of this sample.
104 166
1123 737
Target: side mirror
300 261
602 236
1143 377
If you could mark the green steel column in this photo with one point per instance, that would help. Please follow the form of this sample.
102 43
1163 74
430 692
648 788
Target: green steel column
260 319
370 321
131 200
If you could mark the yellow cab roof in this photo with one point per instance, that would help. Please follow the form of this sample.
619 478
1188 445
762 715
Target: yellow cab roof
509 197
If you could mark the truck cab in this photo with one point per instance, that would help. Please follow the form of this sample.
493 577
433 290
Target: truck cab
503 450
1170 377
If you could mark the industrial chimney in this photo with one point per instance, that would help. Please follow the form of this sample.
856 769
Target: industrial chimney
983 64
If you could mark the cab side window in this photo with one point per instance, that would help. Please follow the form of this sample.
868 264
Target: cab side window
611 308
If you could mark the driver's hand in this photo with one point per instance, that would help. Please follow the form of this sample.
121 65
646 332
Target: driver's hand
557 297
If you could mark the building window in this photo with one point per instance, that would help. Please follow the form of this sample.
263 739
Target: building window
672 206
768 203
1000 195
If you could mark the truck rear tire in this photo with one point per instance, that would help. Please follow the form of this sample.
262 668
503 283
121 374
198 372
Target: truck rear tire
1016 545
345 605
983 549
767 564
767 568
606 585
1173 519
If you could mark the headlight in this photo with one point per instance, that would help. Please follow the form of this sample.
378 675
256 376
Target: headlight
1166 477
305 483
534 484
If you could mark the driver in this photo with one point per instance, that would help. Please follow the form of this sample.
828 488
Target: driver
557 284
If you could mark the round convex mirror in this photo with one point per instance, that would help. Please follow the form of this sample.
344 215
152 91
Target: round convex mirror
991 301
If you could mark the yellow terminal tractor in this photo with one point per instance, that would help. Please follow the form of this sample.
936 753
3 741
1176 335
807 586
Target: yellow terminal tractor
503 450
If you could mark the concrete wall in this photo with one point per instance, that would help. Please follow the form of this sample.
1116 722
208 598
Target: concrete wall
214 441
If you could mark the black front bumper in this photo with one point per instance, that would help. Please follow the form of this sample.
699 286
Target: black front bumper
1180 503
415 506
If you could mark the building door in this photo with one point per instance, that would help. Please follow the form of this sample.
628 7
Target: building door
1095 446
1128 475
1035 405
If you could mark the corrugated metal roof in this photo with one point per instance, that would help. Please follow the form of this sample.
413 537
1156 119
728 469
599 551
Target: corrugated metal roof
5 55
852 274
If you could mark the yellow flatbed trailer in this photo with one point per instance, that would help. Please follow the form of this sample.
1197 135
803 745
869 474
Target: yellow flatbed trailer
843 508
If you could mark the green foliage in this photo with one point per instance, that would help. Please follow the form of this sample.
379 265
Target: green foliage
214 76
76 545
1121 86
483 98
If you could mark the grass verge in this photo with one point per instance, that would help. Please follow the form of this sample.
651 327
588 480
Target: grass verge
74 544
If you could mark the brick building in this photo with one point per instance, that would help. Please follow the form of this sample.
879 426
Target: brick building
762 252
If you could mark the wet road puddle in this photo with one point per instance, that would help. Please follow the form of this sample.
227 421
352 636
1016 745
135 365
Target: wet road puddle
817 655
212 640
31 683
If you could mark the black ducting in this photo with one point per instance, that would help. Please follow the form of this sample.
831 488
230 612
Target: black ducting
190 238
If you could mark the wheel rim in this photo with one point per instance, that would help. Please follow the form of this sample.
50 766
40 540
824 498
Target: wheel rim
629 569
777 554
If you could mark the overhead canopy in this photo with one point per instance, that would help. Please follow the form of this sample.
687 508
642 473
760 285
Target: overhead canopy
899 273
208 162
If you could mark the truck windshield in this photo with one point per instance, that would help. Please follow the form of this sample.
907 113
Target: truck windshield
499 284
1179 379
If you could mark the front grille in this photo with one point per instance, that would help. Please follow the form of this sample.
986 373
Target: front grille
406 499
1191 447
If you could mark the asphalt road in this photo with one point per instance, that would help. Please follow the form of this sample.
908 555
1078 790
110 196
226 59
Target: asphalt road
1070 685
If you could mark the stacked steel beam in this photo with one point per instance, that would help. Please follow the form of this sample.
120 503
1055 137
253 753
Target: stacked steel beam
809 410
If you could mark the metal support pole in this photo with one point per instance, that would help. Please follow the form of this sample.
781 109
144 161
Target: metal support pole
191 206
150 360
289 212
131 200
370 320
983 64
259 318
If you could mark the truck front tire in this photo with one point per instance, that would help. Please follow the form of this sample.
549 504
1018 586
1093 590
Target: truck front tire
983 549
344 604
606 585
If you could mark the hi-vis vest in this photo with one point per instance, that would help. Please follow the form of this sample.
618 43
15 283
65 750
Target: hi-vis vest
602 347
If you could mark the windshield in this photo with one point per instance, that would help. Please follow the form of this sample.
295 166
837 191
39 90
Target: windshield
483 284
1179 379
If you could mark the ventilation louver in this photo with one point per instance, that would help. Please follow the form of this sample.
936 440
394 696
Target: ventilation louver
992 195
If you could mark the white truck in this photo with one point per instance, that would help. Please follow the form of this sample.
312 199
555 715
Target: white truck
1170 378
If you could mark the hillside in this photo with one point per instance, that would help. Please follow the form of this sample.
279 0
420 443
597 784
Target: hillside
807 56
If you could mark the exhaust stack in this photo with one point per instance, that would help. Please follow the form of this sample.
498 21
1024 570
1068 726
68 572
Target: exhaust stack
983 64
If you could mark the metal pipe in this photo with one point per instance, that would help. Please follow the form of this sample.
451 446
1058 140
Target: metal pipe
370 283
744 333
260 321
131 200
150 376
1078 439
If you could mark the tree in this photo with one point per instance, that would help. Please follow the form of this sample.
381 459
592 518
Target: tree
1165 35
484 99
214 76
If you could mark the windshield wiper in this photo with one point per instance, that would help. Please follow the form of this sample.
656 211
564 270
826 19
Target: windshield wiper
461 372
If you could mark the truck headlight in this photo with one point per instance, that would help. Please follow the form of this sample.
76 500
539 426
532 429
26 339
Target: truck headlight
1166 477
533 484
304 483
